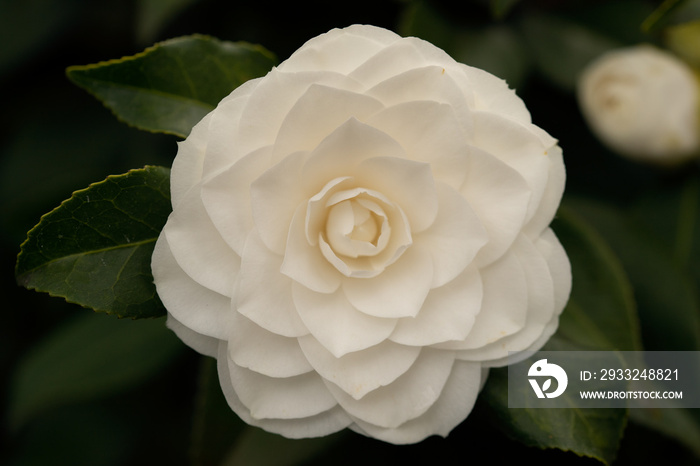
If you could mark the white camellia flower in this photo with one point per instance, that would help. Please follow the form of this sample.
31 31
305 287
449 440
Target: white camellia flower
359 235
643 103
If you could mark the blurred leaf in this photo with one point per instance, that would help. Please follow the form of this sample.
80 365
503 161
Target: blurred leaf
95 248
667 300
601 313
215 427
619 20
255 447
497 48
672 12
561 48
91 357
169 87
684 41
500 8
421 19
153 15
600 316
660 14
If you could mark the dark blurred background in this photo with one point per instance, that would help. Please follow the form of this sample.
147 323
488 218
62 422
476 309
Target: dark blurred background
55 138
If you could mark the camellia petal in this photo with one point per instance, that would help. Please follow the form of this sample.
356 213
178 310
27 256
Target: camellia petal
458 395
448 312
280 398
419 388
319 111
264 295
413 274
360 372
320 424
282 356
455 238
343 330
360 234
504 308
199 308
202 253
540 295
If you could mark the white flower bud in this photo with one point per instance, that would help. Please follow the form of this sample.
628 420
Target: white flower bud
643 103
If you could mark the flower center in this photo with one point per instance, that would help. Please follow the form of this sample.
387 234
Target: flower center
358 230
353 228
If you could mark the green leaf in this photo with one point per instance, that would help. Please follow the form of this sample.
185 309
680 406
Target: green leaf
169 87
595 433
667 299
95 248
153 15
91 357
562 48
600 316
672 12
500 8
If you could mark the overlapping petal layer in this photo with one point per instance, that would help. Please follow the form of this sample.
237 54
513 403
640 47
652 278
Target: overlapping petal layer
359 235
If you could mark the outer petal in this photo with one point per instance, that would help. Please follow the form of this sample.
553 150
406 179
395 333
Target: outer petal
266 353
222 149
540 306
559 267
344 329
551 197
201 252
203 344
454 405
226 197
187 166
517 145
202 310
318 425
410 396
360 372
500 196
493 95
447 314
280 398
340 50
429 83
264 295
399 57
504 307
